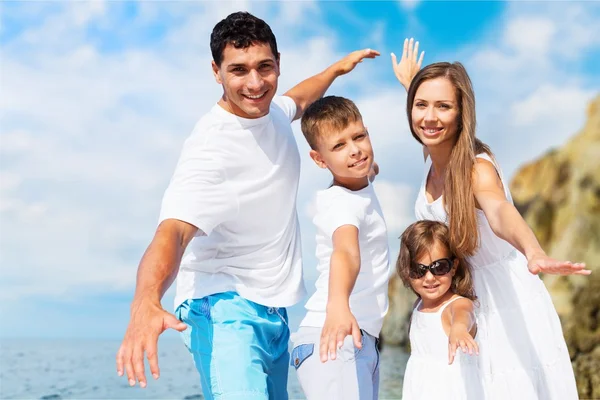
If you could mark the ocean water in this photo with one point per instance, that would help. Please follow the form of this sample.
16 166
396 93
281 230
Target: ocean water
54 369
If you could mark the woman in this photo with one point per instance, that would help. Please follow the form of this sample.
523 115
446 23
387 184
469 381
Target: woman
523 353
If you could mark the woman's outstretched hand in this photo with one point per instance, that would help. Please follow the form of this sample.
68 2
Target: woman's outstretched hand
547 265
407 68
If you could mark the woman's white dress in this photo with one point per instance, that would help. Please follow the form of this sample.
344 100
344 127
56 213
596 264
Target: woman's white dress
523 353
428 375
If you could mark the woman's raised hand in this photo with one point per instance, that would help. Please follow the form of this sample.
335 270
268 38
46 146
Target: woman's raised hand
407 68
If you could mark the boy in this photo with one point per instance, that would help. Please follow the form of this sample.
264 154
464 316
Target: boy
352 251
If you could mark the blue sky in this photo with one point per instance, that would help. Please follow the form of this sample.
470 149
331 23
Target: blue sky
96 99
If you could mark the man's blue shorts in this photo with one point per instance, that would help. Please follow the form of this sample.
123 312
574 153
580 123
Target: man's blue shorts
239 347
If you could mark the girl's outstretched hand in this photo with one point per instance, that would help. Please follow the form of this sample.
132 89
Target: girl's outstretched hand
546 265
407 68
459 337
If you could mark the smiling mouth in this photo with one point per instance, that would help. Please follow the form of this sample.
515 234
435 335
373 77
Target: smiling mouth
431 287
359 163
255 97
431 131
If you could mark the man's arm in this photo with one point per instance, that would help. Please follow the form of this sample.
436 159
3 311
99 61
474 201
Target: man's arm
156 272
344 268
313 88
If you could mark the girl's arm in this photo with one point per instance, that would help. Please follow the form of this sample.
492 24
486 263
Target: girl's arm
462 328
507 223
344 268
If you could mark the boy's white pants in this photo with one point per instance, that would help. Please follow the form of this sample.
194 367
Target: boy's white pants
353 375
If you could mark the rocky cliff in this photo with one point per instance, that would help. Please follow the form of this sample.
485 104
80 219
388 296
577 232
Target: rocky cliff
559 197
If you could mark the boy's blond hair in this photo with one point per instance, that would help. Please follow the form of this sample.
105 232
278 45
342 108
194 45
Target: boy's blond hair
330 113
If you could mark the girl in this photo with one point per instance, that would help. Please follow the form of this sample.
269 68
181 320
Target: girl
442 320
524 355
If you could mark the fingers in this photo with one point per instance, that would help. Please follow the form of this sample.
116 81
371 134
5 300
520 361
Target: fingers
323 349
370 53
415 52
451 352
421 60
129 369
331 347
152 356
560 268
583 272
138 366
394 61
405 50
409 54
120 361
172 322
356 335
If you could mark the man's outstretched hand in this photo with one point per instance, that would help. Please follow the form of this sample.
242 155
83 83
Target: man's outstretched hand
348 63
148 321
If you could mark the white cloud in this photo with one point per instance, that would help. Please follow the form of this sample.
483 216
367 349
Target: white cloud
552 106
530 36
409 4
397 204
89 139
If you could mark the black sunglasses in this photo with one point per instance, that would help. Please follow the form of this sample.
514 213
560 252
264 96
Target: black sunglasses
437 268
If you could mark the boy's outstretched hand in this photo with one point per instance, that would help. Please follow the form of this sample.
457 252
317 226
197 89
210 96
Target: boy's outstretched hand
348 63
407 68
339 323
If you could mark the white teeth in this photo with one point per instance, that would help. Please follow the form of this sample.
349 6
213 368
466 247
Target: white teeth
255 97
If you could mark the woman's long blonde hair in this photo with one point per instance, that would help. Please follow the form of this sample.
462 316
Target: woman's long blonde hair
459 199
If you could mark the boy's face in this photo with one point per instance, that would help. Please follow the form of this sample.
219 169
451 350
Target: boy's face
249 79
347 154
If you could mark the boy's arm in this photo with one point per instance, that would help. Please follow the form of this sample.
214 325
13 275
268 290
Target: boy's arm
462 321
313 88
344 268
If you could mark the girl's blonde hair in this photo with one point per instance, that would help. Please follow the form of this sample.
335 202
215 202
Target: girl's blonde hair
458 187
419 238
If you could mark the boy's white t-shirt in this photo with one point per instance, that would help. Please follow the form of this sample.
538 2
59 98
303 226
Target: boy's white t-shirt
335 207
237 180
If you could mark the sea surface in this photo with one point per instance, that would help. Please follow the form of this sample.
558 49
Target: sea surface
54 369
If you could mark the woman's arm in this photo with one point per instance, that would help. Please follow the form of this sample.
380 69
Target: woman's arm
507 223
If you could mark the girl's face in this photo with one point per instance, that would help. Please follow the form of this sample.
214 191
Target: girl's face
433 289
435 112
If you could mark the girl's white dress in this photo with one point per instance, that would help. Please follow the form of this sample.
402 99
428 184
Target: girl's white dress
428 375
523 354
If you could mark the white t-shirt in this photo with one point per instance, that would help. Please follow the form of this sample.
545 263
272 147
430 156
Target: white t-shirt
237 180
339 206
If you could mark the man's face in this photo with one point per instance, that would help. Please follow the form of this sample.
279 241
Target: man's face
249 79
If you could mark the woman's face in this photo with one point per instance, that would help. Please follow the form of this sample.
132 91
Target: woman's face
435 112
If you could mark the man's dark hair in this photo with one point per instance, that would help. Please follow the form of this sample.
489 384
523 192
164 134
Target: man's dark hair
242 30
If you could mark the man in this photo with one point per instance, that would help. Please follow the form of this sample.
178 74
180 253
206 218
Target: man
232 198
